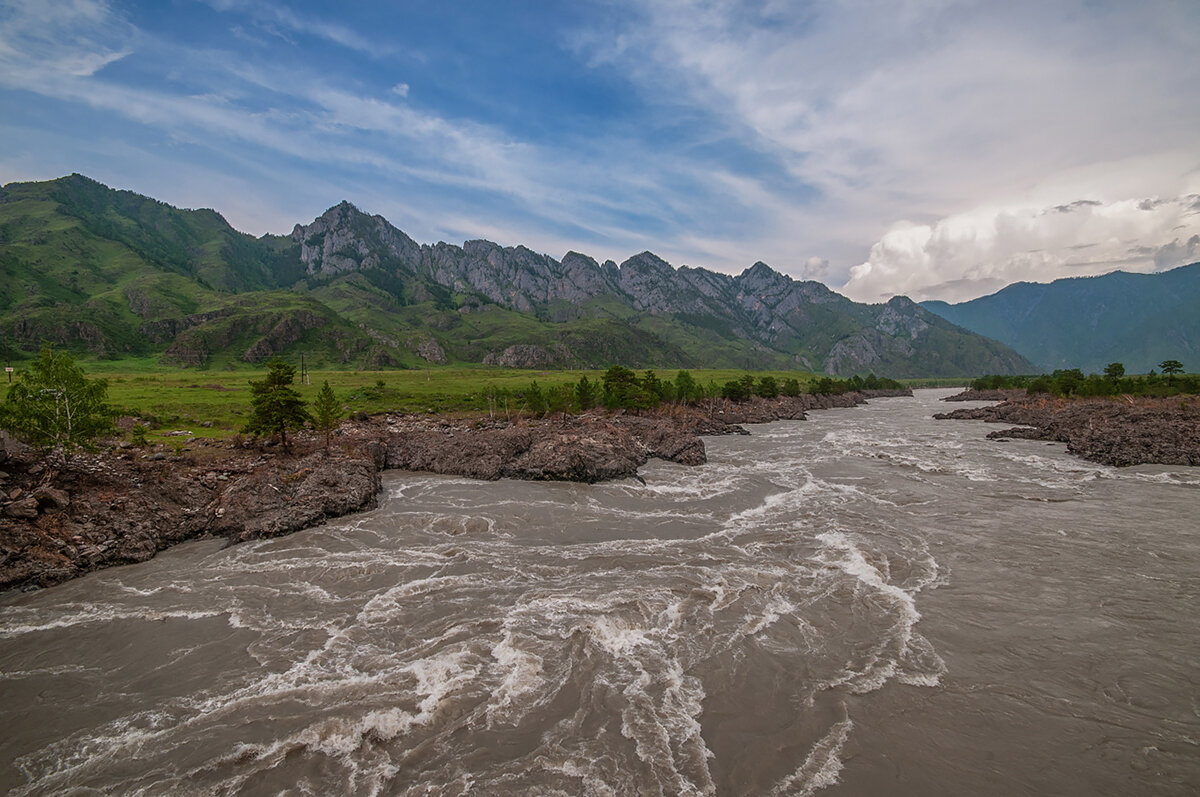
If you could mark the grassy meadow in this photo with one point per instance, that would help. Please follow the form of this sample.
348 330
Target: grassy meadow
183 399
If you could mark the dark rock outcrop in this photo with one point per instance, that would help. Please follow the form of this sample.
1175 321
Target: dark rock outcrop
1109 431
971 394
125 505
106 510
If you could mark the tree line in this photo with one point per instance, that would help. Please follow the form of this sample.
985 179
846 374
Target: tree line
54 406
1168 380
622 388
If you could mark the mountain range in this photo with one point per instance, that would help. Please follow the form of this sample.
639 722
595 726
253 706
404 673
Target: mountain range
114 274
1138 320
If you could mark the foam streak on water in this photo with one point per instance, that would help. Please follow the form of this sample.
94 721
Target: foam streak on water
865 602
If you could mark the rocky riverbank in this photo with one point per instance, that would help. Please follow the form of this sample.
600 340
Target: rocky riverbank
971 394
126 504
1112 431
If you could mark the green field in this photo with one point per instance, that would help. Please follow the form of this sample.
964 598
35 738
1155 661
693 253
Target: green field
171 399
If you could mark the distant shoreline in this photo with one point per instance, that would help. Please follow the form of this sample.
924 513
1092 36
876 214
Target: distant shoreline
125 505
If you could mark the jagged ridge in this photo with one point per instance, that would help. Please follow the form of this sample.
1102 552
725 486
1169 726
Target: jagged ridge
116 274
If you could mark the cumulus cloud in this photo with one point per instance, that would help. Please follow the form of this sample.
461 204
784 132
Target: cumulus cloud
926 110
973 142
970 254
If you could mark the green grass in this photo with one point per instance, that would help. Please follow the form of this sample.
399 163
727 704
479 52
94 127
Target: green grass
184 399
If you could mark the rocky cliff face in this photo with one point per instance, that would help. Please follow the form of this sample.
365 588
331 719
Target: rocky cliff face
805 320
351 287
344 238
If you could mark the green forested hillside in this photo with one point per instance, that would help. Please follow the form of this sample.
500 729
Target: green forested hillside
112 274
1135 319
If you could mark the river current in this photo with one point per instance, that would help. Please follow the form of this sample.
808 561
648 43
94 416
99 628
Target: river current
867 602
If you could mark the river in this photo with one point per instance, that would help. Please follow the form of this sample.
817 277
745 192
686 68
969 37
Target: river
867 602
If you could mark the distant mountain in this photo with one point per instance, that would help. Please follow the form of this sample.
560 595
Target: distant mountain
1087 322
114 274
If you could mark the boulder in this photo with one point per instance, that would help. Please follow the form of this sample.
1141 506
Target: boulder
51 498
26 507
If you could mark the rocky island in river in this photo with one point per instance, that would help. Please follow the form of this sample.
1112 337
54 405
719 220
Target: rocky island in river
1117 431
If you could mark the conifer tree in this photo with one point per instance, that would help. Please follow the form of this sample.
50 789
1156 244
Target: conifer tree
585 394
326 412
1170 368
276 406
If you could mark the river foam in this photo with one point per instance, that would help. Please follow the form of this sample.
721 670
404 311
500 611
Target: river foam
743 627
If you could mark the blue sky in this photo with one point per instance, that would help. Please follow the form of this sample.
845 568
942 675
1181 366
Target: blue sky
940 149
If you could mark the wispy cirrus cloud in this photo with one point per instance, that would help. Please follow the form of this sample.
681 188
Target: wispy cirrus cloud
820 137
917 112
425 169
280 20
73 39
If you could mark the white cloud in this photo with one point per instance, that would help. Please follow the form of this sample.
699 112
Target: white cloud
279 20
970 254
926 110
72 39
378 147
943 131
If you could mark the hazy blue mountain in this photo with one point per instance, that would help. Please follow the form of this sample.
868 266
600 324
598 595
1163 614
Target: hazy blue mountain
112 274
1087 322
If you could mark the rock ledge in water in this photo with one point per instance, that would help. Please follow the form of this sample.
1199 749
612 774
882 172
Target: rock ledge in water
1119 431
125 505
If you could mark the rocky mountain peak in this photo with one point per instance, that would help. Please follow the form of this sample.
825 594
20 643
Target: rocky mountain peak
761 278
344 238
903 304
383 298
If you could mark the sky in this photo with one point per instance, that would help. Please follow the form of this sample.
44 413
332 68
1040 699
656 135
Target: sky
939 149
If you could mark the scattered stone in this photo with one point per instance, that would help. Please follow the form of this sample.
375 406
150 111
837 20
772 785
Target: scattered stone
51 498
26 507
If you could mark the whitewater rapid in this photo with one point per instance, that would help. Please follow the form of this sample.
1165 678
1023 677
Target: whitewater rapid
866 602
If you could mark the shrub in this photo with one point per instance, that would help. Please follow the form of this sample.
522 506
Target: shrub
53 405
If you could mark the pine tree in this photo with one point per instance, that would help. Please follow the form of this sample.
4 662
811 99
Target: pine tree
276 406
585 394
1170 368
326 412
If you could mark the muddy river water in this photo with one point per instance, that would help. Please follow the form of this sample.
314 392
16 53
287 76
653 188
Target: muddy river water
867 602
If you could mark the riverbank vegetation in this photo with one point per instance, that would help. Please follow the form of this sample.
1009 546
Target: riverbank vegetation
220 404
1113 382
